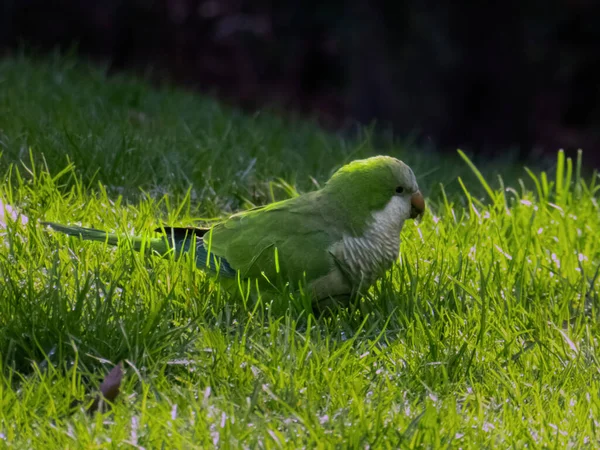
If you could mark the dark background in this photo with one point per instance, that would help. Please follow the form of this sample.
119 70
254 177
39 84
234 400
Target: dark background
488 78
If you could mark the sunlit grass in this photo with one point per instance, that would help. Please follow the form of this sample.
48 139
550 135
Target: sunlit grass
483 335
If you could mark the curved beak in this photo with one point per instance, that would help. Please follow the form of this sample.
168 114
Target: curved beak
417 203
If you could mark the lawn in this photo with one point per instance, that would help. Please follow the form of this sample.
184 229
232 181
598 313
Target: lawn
484 334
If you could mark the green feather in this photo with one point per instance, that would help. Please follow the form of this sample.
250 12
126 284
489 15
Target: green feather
301 229
159 245
174 240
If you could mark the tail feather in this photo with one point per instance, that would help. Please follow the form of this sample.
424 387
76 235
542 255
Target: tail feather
177 240
159 245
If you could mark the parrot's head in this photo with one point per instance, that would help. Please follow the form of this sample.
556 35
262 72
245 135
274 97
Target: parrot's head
381 185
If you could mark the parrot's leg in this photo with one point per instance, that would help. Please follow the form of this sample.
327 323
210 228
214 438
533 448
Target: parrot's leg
331 304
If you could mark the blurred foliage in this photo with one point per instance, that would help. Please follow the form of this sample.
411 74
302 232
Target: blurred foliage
482 76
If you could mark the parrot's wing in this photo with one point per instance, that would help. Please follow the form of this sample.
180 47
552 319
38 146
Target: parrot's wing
182 232
182 238
292 238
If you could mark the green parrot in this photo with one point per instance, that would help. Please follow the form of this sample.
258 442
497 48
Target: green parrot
337 240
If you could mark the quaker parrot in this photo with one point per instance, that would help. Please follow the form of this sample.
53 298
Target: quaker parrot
338 240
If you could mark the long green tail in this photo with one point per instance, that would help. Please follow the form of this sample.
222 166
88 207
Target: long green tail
159 245
175 240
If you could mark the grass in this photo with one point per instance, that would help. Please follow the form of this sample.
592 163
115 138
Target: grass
483 335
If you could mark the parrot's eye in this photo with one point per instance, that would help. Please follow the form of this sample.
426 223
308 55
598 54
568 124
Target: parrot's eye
399 190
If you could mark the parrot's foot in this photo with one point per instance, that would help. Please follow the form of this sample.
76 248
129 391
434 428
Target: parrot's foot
332 303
